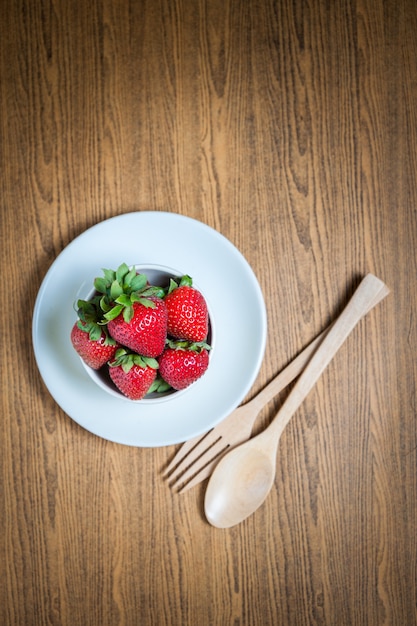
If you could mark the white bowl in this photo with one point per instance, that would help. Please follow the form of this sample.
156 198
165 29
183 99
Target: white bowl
159 276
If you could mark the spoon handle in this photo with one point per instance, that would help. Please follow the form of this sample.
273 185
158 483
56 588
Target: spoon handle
370 289
298 364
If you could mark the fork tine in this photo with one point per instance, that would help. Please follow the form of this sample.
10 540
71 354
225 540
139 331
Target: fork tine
186 482
189 452
185 448
191 466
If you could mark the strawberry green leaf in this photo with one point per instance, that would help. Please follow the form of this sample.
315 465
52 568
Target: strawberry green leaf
109 275
95 301
178 344
109 341
95 332
138 359
138 282
127 360
113 313
180 282
104 305
129 277
86 310
138 297
121 272
183 344
186 281
120 352
101 285
172 285
200 345
127 364
158 292
149 304
159 385
115 290
124 300
150 362
128 313
122 358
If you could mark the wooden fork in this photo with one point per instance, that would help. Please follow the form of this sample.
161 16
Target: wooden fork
196 458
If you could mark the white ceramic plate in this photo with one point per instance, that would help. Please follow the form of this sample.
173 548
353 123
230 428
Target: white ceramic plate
236 307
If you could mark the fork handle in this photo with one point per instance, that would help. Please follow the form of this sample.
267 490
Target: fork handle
297 365
288 374
370 290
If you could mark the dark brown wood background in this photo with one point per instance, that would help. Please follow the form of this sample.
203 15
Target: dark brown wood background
290 127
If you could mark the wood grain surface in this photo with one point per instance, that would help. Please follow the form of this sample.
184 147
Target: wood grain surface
291 128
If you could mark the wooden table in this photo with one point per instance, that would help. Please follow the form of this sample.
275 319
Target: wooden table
291 128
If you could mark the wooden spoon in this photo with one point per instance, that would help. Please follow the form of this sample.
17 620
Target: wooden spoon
243 478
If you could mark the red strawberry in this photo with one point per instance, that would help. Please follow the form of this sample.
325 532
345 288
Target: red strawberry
145 332
182 365
90 340
132 374
134 311
187 311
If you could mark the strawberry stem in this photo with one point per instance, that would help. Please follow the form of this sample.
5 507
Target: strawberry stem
90 320
120 289
182 344
127 359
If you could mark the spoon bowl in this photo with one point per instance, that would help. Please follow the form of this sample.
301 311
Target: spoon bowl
251 474
244 476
